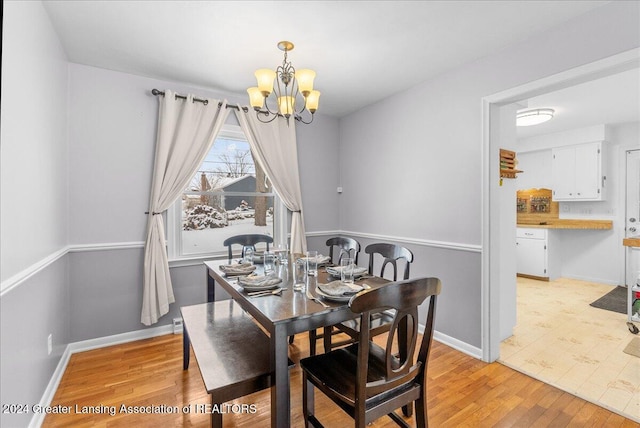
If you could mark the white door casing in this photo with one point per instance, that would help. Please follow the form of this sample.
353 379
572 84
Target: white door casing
632 214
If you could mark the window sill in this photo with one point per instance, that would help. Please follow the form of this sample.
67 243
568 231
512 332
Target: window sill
193 260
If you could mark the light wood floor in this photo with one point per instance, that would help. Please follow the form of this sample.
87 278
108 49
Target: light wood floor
462 391
563 341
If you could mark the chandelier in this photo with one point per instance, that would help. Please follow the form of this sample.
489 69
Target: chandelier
293 93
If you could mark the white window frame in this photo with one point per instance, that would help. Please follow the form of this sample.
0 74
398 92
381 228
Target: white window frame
174 219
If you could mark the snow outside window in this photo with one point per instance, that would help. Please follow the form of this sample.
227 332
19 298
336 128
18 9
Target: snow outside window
229 195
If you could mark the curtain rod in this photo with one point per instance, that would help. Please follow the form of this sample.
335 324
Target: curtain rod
156 92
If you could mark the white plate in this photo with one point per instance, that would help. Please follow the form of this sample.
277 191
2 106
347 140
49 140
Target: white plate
249 288
270 285
238 272
333 298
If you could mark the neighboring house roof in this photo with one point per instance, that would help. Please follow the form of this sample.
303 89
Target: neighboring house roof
225 182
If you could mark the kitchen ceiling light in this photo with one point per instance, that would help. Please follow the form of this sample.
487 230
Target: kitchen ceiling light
533 116
289 85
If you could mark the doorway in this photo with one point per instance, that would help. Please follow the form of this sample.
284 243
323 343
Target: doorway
494 254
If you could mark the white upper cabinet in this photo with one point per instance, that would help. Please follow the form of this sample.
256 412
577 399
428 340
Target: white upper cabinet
578 173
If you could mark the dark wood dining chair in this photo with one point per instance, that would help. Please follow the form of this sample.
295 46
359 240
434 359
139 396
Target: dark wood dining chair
390 254
369 381
348 247
249 240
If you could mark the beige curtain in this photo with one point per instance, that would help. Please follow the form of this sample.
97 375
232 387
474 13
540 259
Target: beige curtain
186 131
274 145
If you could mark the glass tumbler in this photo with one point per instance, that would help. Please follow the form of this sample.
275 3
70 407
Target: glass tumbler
248 255
269 263
282 254
312 263
299 275
346 270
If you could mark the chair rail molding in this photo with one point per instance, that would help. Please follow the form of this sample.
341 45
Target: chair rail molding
17 279
416 241
20 277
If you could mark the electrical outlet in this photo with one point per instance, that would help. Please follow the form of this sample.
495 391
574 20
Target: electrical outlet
177 326
50 343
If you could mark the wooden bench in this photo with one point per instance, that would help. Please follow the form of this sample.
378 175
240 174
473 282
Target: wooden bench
231 350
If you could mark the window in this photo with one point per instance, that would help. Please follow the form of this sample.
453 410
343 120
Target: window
228 195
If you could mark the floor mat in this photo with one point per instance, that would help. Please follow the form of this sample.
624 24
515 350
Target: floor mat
615 300
633 348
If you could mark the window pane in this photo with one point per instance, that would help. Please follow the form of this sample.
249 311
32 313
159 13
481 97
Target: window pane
224 199
206 225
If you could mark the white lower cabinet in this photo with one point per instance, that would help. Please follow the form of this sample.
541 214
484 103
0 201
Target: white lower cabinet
536 253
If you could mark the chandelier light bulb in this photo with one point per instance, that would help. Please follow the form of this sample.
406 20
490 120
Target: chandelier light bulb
255 97
265 77
305 80
286 105
312 101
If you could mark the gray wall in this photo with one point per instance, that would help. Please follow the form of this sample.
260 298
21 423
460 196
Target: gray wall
34 209
33 178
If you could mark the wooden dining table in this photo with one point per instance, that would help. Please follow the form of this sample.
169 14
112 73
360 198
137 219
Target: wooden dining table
284 315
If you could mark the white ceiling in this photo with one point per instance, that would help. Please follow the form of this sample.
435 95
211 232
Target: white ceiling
362 51
610 100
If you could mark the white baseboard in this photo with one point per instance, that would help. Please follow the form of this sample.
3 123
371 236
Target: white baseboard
116 339
458 345
591 279
52 387
87 345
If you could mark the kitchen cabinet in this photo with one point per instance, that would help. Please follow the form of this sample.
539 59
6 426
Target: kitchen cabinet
537 253
577 172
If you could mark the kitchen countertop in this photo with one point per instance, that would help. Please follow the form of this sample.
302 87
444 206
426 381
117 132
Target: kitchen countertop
633 241
560 223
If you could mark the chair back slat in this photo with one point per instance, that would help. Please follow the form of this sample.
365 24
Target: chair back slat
390 253
248 240
403 297
346 245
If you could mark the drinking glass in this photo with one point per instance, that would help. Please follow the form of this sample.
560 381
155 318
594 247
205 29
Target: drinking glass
298 275
346 270
312 263
282 253
269 263
248 255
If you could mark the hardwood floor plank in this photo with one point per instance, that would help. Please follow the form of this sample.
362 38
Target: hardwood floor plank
462 392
